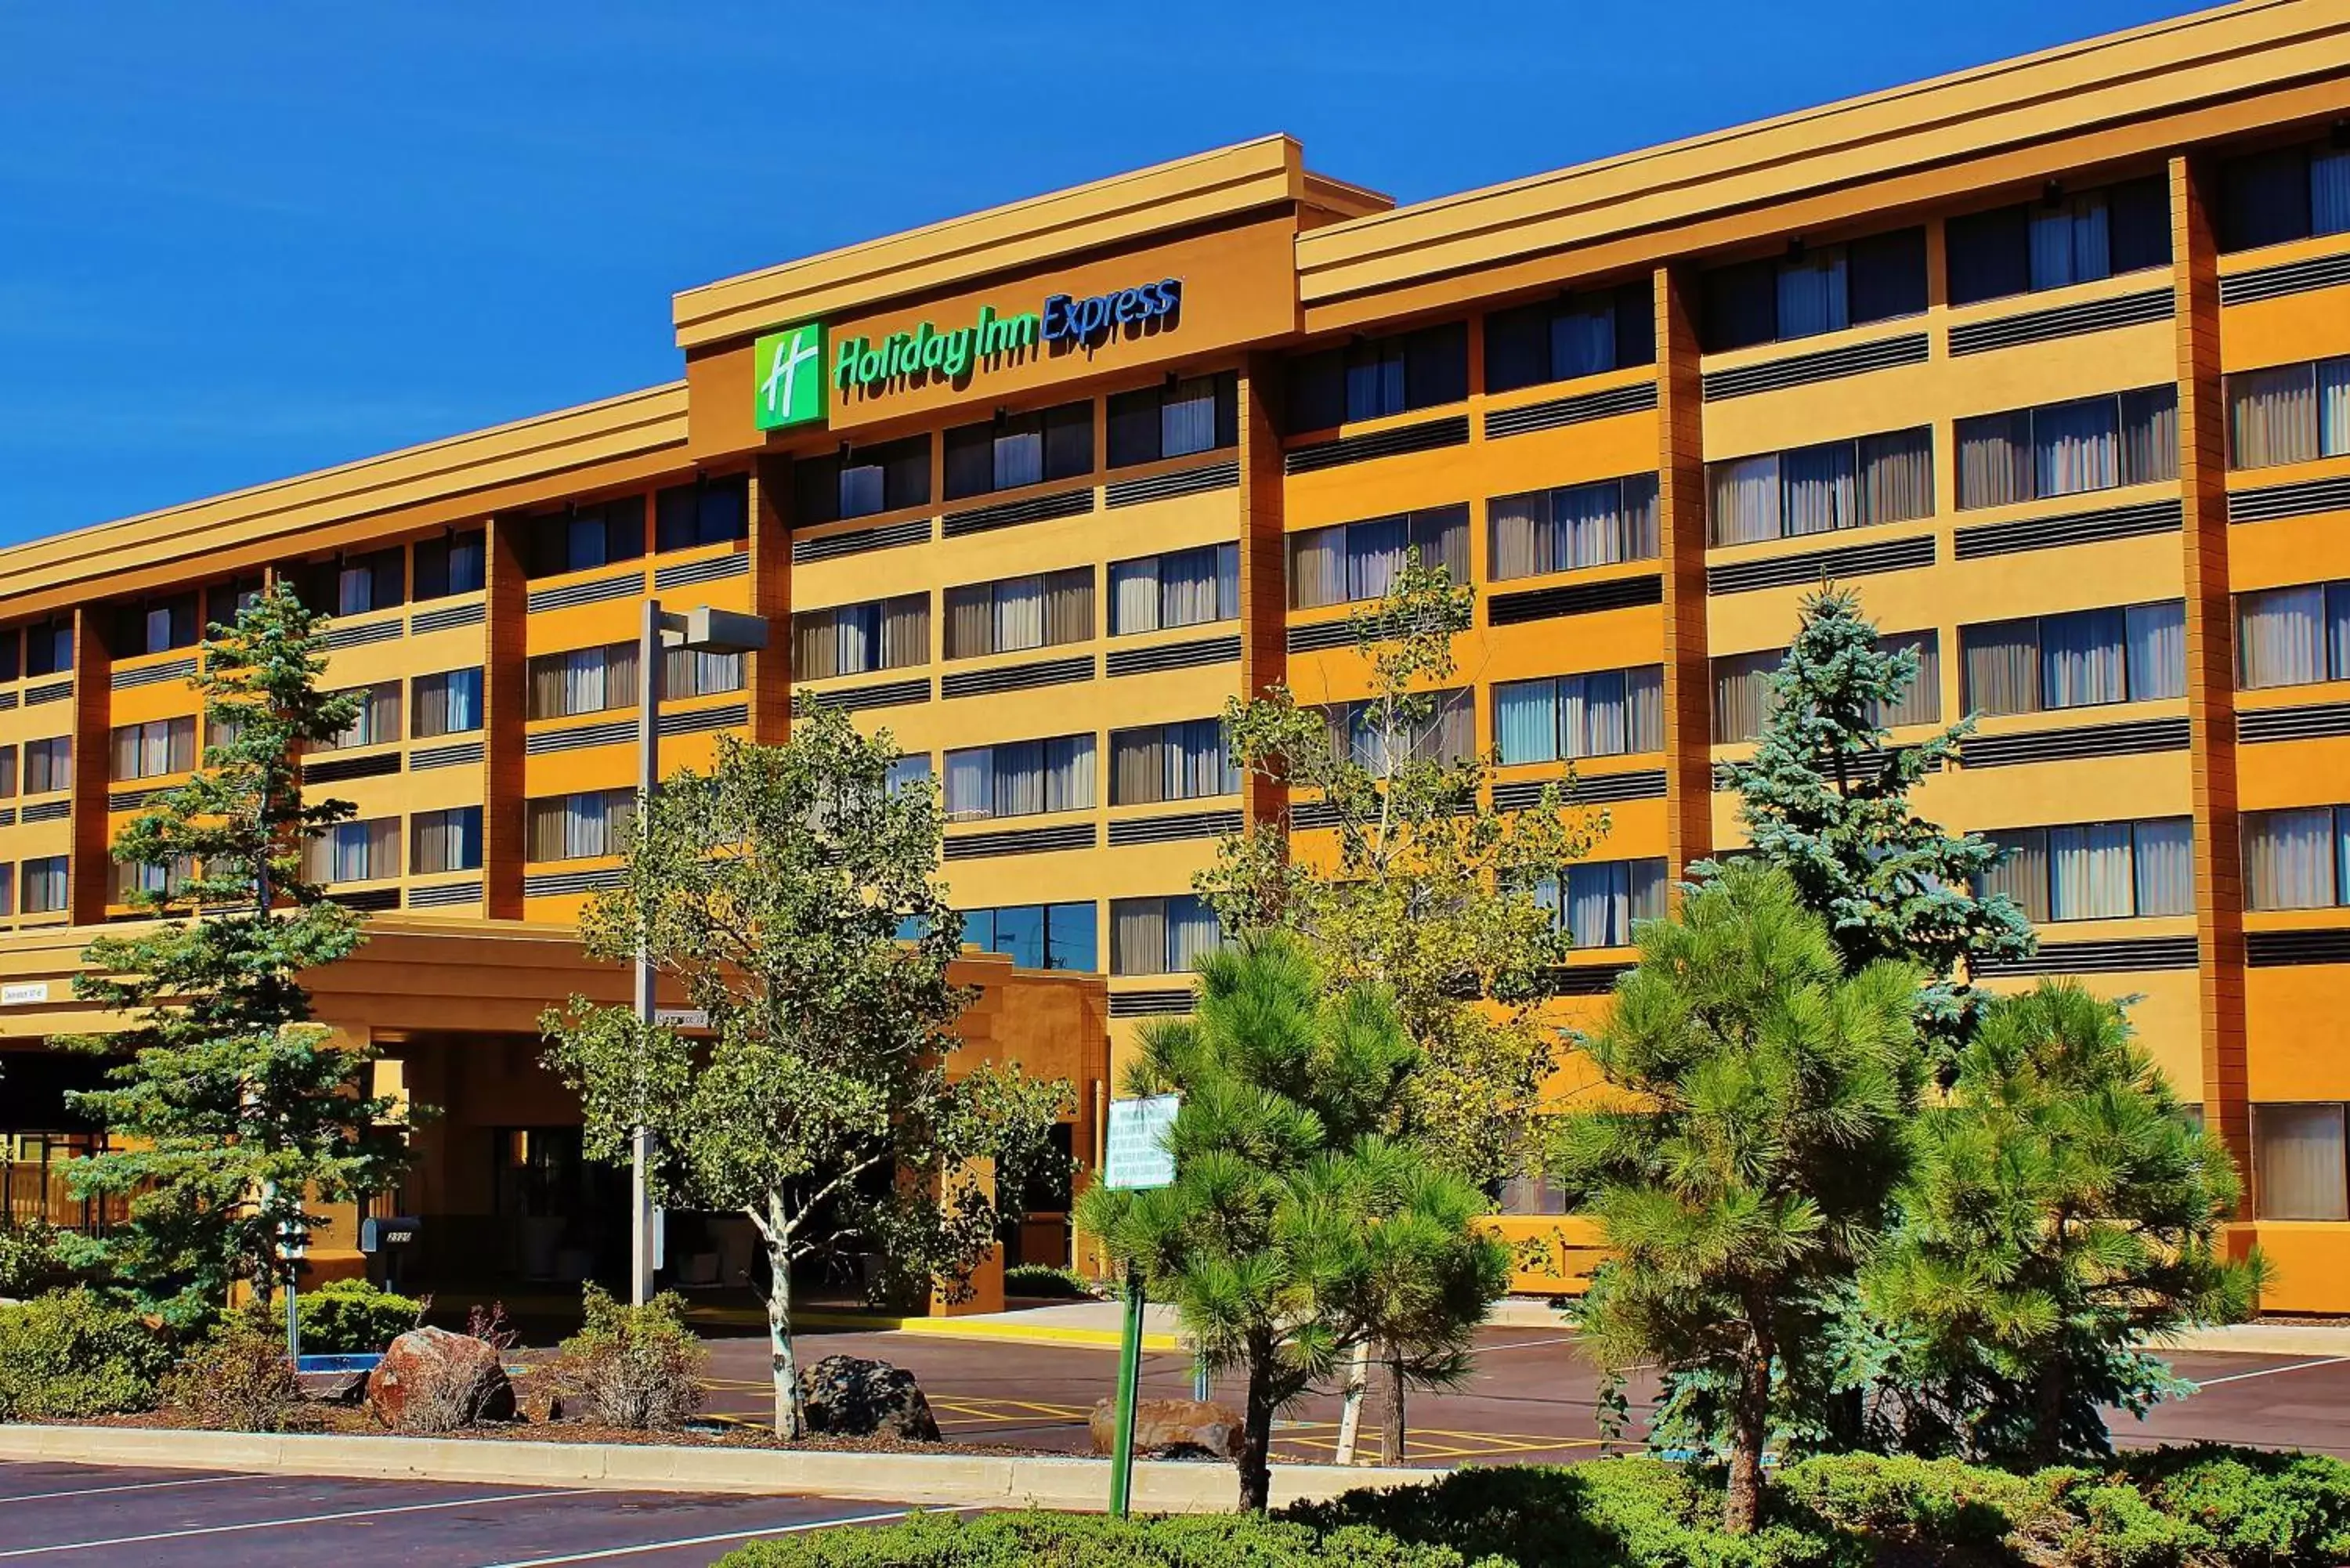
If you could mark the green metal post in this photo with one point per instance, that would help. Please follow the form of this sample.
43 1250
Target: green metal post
1129 1380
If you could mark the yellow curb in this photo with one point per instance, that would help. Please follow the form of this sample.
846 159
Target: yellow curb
946 1328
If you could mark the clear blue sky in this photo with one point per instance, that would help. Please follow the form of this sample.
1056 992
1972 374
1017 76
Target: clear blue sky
239 241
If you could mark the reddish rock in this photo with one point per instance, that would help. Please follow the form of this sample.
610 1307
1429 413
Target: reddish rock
1171 1429
431 1380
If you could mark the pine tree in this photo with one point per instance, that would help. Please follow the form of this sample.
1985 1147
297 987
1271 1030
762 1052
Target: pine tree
233 1113
1826 800
2061 1212
1747 1161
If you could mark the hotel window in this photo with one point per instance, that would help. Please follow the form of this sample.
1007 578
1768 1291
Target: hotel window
44 885
709 512
376 580
1013 450
447 840
354 852
1161 936
2096 870
696 672
1181 588
861 481
1448 734
2291 413
2292 636
158 880
378 721
2083 660
1380 376
583 680
1606 714
1741 693
1819 489
2298 1169
12 647
1602 898
8 889
1188 760
908 772
1352 562
1560 340
2064 449
2062 240
1921 703
155 625
2297 859
1037 936
1020 778
1573 526
2293 193
1814 290
851 640
153 748
7 773
1174 418
587 537
48 647
452 564
224 602
578 827
1014 614
449 704
49 765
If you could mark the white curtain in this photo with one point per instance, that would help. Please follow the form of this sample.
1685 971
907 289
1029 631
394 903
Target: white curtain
1191 932
2158 650
2273 416
1641 533
2329 193
861 490
2089 873
1317 568
1644 709
1817 489
970 783
1134 596
854 629
1745 498
1187 418
1582 342
2081 659
1598 904
2075 448
1590 523
1525 720
2290 859
1592 710
2281 637
1019 614
2163 853
1020 789
1069 772
2298 1167
1020 458
1187 587
1375 553
2332 407
1520 534
1812 297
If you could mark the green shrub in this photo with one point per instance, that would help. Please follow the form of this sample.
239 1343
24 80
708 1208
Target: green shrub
32 1260
1045 1280
238 1380
353 1318
1090 1541
2260 1510
69 1355
639 1368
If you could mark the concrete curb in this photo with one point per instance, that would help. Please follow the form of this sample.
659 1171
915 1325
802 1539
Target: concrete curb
2312 1339
983 1480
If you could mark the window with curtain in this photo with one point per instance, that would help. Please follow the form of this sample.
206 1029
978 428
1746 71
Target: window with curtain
851 639
1188 760
1037 936
1351 562
1741 693
7 773
1600 900
354 852
2292 193
8 889
2097 870
160 880
449 704
578 827
1380 376
448 840
44 885
2301 1169
2292 636
1180 588
585 537
711 512
1606 713
699 672
908 772
2066 449
1448 734
583 680
1921 703
1887 478
159 624
1014 449
49 647
1173 419
1580 334
378 721
1160 936
153 748
1014 614
1020 778
2133 653
370 582
452 564
1812 290
2297 858
2288 413
857 482
1575 525
49 765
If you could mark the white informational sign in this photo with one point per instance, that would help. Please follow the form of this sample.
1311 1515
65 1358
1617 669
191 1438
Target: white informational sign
25 994
1135 1154
681 1017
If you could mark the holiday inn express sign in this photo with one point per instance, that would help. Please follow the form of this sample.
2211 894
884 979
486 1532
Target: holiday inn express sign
794 374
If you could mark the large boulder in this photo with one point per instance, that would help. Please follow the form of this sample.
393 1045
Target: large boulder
1171 1429
431 1380
849 1397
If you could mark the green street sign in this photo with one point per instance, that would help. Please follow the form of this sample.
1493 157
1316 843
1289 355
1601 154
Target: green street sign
787 377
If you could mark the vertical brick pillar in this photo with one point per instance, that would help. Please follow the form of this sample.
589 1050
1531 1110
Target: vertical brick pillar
2211 664
1265 578
504 695
770 672
1680 513
90 877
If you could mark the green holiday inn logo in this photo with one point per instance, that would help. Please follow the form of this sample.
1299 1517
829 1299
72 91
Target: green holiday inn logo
788 376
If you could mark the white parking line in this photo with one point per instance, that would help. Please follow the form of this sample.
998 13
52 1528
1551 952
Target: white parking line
283 1524
134 1486
607 1554
1523 1345
2271 1371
